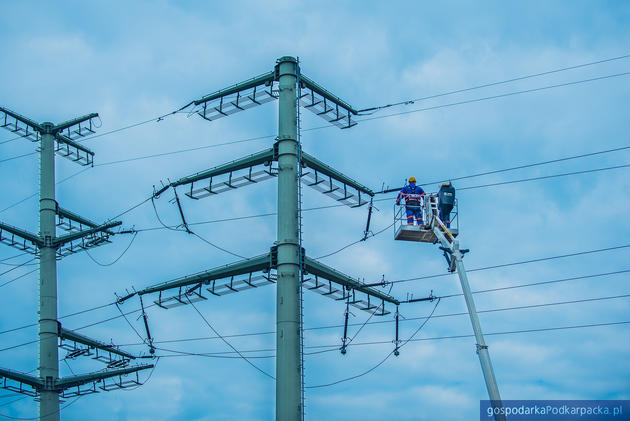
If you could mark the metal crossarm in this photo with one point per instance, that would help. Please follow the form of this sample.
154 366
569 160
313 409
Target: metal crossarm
19 124
313 267
255 264
248 84
235 176
69 335
333 183
72 381
64 134
20 377
239 97
66 217
310 84
23 234
323 103
72 129
59 241
68 148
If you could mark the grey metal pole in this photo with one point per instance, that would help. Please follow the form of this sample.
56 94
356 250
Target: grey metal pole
482 348
288 346
48 328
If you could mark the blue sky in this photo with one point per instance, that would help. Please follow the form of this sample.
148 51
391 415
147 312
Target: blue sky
134 62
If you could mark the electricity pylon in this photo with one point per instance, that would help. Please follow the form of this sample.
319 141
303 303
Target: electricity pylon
434 230
293 269
48 247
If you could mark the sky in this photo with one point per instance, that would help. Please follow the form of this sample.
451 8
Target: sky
133 62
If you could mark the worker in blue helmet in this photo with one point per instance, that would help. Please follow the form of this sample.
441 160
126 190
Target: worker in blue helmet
412 195
446 201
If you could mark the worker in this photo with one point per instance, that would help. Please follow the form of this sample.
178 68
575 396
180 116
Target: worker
413 201
446 200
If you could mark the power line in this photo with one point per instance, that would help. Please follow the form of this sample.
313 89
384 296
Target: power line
218 247
45 415
408 280
430 183
63 317
365 119
446 315
335 347
132 208
118 258
212 221
522 262
529 306
228 343
154 119
411 101
191 232
198 148
337 326
13 257
19 277
356 242
504 95
573 278
545 177
17 157
520 167
13 401
130 325
369 119
17 266
35 194
383 360
487 85
10 140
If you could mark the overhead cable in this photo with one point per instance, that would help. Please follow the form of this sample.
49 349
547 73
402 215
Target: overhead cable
487 85
383 360
409 319
487 98
522 262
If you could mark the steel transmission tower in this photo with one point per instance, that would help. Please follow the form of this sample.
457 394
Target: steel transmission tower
293 268
48 247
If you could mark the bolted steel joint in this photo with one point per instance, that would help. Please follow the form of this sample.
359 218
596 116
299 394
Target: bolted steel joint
47 128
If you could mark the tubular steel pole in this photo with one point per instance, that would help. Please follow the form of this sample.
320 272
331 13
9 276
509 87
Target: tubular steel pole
482 348
288 366
48 327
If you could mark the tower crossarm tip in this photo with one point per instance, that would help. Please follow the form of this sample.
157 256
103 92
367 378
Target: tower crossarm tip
75 121
317 165
81 379
316 268
66 214
18 117
76 337
310 84
59 241
263 79
19 232
20 377
254 264
258 158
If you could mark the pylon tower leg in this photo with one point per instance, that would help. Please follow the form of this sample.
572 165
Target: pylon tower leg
48 325
288 345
